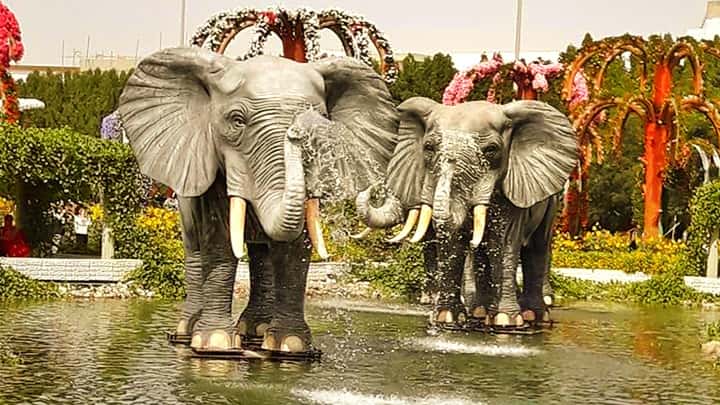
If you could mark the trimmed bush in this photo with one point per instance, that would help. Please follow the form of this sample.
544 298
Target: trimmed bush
17 286
154 237
601 249
704 219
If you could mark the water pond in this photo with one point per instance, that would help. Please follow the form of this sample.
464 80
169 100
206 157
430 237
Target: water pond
115 352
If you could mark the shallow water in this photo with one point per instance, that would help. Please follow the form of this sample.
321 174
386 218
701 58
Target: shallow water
115 352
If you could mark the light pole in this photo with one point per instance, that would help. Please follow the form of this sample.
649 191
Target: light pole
518 29
182 22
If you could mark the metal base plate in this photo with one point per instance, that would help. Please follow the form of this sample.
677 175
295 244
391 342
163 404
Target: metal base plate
240 354
178 339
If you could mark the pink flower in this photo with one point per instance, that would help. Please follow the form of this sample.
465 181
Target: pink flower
463 82
580 92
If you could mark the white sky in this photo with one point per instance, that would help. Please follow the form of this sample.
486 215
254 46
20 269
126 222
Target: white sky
420 26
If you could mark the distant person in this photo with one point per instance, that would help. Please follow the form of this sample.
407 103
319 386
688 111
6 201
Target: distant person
81 223
12 240
633 237
171 203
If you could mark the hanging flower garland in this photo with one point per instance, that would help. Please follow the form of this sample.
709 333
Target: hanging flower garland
463 82
111 128
535 75
311 27
11 47
8 95
354 31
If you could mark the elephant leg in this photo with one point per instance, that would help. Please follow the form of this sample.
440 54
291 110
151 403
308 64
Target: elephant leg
195 270
535 257
431 269
256 317
535 260
288 330
209 219
451 252
215 328
503 250
481 299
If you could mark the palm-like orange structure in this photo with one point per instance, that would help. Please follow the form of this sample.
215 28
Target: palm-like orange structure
654 102
298 31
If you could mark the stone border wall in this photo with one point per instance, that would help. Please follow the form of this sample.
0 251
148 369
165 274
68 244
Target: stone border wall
72 270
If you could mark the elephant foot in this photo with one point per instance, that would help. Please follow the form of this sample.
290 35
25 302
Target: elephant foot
215 340
478 313
505 320
287 340
536 316
183 331
449 316
252 329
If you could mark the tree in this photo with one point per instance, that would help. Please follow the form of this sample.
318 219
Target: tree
426 78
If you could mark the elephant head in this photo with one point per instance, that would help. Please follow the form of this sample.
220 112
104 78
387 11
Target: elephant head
192 115
449 161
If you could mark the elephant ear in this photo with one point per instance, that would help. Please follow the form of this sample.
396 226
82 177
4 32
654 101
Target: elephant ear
543 152
165 113
360 105
406 169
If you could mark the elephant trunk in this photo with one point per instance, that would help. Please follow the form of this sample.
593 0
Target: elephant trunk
384 216
447 215
281 212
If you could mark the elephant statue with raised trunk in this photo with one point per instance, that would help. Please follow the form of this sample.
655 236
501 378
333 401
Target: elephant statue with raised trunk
481 181
231 138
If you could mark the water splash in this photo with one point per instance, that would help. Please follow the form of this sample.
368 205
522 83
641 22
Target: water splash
362 307
342 397
448 346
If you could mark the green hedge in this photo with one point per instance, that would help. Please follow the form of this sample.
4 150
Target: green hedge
668 288
704 219
39 165
17 286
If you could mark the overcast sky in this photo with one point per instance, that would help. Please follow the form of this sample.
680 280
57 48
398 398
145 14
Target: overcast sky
420 26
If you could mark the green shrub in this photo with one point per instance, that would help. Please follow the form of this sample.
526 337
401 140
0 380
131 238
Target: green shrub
154 237
603 250
704 219
15 285
402 276
668 289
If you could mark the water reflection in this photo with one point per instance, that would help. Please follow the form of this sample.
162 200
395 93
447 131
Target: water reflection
115 351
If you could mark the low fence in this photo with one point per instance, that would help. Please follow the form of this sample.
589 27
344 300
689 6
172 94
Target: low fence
72 270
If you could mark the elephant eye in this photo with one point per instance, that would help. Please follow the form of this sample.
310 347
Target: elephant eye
429 147
237 120
490 151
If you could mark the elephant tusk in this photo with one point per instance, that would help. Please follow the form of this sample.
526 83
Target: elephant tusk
407 228
238 206
423 223
362 235
479 218
312 217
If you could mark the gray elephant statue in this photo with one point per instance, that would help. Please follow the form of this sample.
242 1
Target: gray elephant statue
231 138
506 166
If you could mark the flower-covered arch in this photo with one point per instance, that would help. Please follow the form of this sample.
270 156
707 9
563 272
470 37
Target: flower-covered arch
11 49
298 31
529 78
